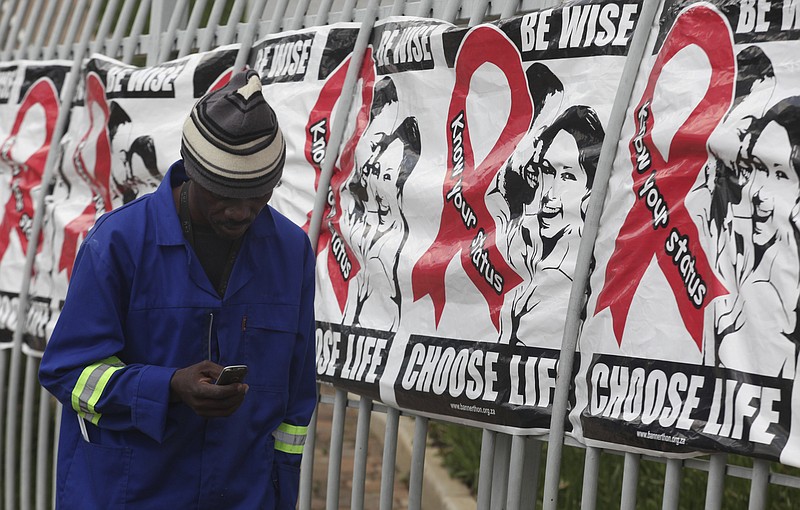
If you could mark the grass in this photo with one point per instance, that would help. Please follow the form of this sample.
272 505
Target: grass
461 448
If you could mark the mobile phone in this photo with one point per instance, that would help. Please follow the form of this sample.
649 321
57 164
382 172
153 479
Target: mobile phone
232 374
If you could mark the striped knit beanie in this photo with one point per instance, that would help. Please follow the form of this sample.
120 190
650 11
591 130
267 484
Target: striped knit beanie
232 144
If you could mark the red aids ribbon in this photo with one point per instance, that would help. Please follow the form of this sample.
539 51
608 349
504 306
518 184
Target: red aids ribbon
466 224
27 175
658 224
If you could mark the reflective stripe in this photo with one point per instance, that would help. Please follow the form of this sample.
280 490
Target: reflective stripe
290 438
90 386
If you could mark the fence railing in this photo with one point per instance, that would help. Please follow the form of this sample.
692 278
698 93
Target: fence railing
152 31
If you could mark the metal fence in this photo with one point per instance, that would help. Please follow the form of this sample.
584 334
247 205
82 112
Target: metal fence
152 31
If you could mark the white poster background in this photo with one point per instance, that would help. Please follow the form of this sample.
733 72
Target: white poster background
663 385
303 73
29 107
444 354
124 134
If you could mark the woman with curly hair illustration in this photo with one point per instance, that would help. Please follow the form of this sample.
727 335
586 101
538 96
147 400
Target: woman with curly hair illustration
384 158
756 328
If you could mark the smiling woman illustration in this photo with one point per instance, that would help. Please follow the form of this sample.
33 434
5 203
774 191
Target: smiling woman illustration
758 331
565 158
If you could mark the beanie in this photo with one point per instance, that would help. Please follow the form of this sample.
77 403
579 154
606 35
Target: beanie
232 144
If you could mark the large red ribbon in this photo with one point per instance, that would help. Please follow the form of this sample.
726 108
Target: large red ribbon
466 224
658 224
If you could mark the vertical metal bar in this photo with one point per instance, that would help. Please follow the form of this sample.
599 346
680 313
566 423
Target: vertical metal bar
323 12
361 451
335 451
56 440
502 454
16 24
8 11
347 13
389 458
591 473
300 11
191 28
586 250
478 12
35 49
716 481
672 485
232 27
485 473
167 38
34 23
109 16
530 470
249 34
64 50
343 106
276 23
307 463
26 436
43 450
5 356
425 9
417 463
36 228
758 485
509 9
207 39
135 39
113 46
451 10
58 29
515 470
158 12
398 8
630 480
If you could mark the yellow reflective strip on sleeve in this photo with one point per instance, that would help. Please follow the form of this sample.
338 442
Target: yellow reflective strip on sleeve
92 418
288 448
101 385
78 389
91 384
290 438
295 430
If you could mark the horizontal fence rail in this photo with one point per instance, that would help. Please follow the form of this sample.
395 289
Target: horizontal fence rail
516 471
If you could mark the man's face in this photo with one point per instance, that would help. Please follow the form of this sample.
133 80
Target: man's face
774 188
229 218
564 186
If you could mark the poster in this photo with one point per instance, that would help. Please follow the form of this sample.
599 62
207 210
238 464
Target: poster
303 74
690 342
458 203
30 102
124 133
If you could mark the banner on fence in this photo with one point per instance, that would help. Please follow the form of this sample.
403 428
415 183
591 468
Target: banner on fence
457 209
303 74
691 339
30 101
124 133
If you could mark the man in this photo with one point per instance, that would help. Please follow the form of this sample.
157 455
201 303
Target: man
167 290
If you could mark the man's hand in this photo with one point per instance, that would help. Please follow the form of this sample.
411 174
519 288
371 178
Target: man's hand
194 385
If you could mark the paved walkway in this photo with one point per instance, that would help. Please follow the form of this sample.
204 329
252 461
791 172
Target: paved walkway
440 491
372 489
